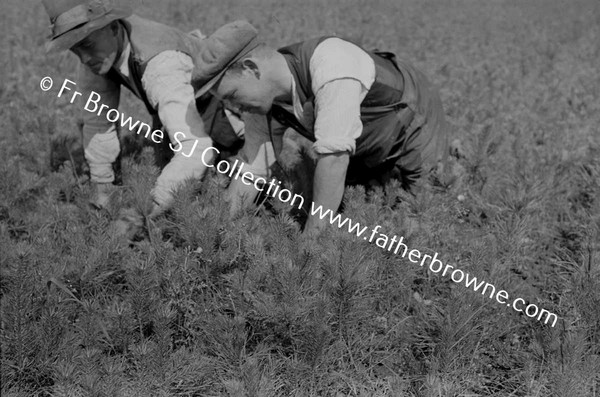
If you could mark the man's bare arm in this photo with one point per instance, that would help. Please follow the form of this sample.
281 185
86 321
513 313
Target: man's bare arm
258 156
328 186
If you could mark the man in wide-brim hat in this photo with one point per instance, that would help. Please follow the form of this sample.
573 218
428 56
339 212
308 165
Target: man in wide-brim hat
155 62
371 116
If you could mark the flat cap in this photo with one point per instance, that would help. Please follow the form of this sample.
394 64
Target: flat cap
224 47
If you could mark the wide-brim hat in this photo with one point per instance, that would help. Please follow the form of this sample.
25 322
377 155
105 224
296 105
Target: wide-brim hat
73 20
219 51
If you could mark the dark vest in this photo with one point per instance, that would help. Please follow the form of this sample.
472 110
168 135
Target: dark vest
391 106
148 39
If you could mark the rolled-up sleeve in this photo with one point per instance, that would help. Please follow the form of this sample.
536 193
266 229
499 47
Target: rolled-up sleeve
100 138
337 122
167 82
342 74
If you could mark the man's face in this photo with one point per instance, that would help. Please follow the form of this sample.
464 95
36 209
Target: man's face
244 90
98 50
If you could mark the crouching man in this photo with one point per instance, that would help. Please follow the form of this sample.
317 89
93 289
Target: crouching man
370 116
155 62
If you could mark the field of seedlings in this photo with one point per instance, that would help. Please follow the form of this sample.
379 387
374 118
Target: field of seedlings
204 305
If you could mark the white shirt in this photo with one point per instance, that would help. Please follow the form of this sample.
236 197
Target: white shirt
341 76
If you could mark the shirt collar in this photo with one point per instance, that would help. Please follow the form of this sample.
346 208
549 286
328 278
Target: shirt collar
296 106
122 65
298 109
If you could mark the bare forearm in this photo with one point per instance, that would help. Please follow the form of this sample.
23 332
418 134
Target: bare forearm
328 185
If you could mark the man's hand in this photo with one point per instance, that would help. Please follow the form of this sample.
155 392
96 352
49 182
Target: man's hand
328 186
131 222
101 194
128 225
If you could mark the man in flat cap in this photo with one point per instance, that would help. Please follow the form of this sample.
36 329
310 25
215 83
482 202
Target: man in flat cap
155 62
370 116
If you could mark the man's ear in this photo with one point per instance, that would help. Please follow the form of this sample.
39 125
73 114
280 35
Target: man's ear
251 66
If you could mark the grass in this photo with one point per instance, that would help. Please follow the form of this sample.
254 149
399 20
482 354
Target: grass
253 313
